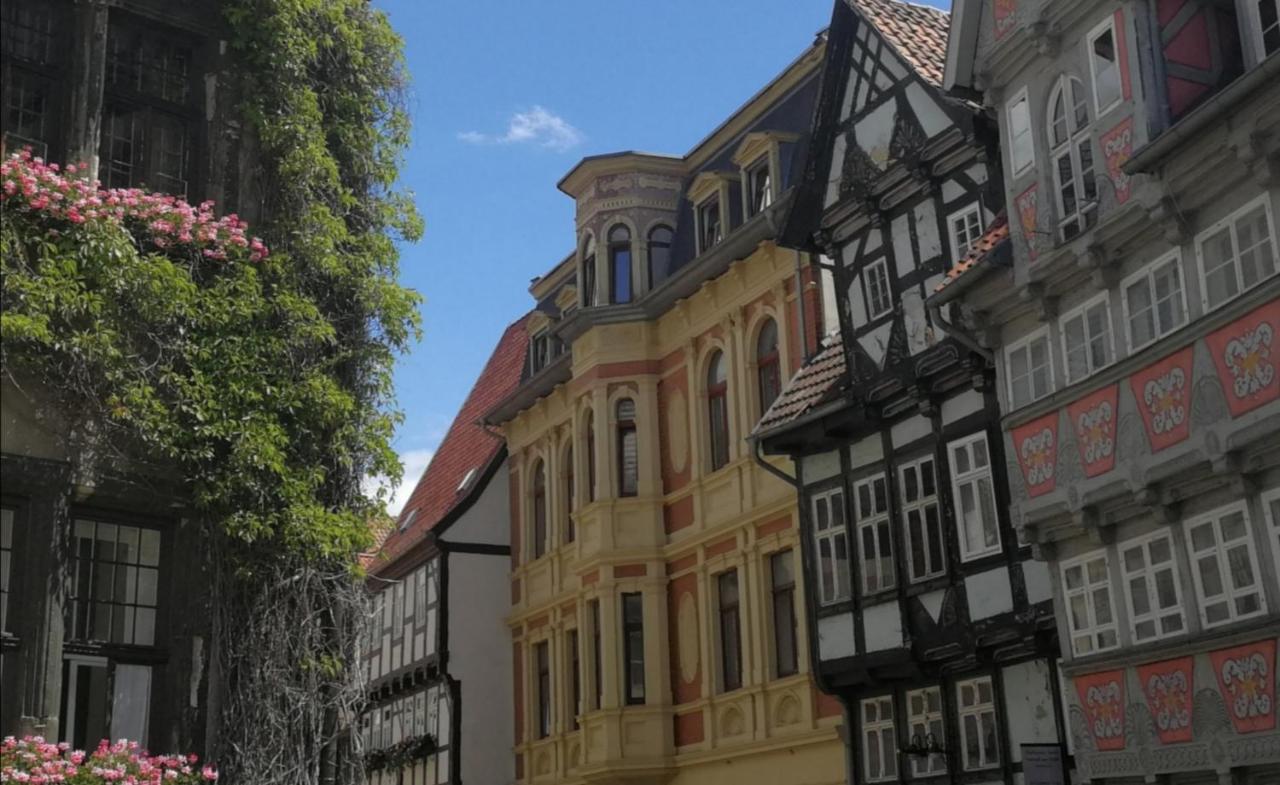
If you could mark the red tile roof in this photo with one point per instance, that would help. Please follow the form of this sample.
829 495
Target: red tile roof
997 232
817 382
917 32
466 447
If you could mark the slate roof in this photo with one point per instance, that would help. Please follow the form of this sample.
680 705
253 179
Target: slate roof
996 233
465 447
817 382
918 33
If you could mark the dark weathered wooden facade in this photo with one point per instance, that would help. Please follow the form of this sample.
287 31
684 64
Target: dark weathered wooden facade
929 619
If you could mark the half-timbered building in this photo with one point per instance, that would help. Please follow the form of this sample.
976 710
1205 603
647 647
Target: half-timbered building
928 618
1133 334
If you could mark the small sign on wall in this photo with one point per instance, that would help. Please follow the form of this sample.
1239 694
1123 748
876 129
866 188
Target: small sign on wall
1042 764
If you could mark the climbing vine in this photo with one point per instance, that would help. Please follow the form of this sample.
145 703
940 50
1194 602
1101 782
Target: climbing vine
255 373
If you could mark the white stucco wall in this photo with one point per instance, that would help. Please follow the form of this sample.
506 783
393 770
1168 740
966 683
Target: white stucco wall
487 520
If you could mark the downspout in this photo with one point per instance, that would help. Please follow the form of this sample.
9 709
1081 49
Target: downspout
968 339
769 467
804 326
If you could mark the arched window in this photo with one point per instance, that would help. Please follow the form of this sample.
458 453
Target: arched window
588 293
539 509
620 263
718 410
590 432
660 238
628 448
570 501
768 369
1072 152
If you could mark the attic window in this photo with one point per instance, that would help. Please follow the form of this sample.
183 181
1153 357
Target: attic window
408 519
467 479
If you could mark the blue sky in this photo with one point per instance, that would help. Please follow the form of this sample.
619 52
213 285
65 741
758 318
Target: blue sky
506 97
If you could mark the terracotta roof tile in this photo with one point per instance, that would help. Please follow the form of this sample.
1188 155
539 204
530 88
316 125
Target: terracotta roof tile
917 32
996 232
817 382
466 447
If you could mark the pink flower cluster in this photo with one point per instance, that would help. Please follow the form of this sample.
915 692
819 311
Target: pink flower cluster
33 760
166 222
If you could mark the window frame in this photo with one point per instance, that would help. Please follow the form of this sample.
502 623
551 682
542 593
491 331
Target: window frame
1024 343
88 604
1230 593
974 475
597 658
705 243
927 765
1146 276
880 525
625 429
616 249
1273 523
729 629
1107 25
1087 589
782 594
1016 167
719 452
538 510
877 727
1257 35
1230 221
1081 312
768 366
589 275
978 709
572 642
1085 213
834 532
882 265
663 245
542 678
1147 573
570 495
8 544
922 505
751 171
631 655
963 215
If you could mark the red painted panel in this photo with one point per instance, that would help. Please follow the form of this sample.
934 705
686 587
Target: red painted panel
1190 46
1102 698
684 690
1247 678
1122 56
1184 94
1245 354
1028 215
678 514
826 705
689 729
1036 444
1166 10
630 570
1005 13
1094 419
1117 147
1168 687
1163 393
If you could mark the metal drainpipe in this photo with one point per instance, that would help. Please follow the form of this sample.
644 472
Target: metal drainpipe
769 467
959 333
804 325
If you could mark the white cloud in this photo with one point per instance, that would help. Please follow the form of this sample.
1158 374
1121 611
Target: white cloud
415 463
538 127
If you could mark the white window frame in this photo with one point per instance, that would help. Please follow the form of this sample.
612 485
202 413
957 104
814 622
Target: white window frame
1147 575
935 763
1231 593
1230 222
973 476
889 751
1024 344
1076 137
1082 312
749 173
1146 276
877 521
836 531
962 246
1093 629
1255 28
1109 24
921 505
697 221
1273 524
977 710
1017 167
883 266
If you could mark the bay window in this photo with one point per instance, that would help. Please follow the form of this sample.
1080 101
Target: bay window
587 295
628 449
659 256
973 491
831 546
620 264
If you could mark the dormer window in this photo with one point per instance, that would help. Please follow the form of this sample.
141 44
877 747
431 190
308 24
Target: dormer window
660 238
588 287
710 227
539 351
759 159
1076 187
620 264
759 186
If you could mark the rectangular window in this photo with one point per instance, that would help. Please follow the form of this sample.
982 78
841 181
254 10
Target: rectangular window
542 660
539 351
831 544
1271 508
782 579
1077 186
115 584
966 227
974 494
976 710
879 297
596 671
1236 253
1155 303
1265 21
730 634
874 538
1086 593
1225 566
1029 369
710 229
759 187
922 520
924 717
32 48
879 740
1104 66
1151 588
575 680
1022 153
633 646
6 565
1086 338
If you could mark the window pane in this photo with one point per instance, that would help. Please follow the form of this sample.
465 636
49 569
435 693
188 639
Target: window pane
1106 70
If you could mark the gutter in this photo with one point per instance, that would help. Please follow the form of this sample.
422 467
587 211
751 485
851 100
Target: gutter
966 338
1156 151
758 457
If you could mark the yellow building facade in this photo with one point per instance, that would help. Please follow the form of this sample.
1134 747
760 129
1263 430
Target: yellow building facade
657 622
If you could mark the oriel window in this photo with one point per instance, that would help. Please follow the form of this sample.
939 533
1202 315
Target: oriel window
620 263
660 238
633 647
588 293
718 410
628 450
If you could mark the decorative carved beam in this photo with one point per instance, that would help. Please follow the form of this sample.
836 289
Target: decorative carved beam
1251 149
1047 38
1046 304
